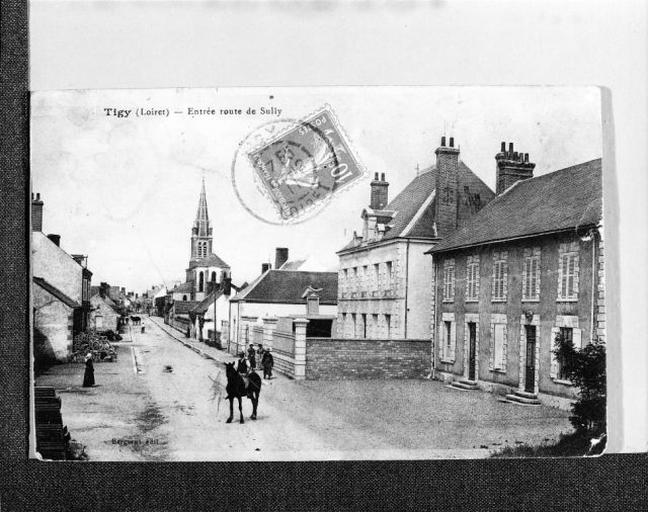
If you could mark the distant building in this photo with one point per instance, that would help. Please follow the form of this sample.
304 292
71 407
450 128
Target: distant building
384 275
105 312
527 267
61 291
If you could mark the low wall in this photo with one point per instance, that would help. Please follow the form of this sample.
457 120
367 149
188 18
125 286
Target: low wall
331 358
181 324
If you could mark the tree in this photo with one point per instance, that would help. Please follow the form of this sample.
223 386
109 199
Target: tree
585 368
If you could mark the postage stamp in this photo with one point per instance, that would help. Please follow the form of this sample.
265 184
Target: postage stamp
299 165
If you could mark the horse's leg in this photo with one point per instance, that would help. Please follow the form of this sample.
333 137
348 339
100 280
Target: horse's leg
241 408
255 402
231 401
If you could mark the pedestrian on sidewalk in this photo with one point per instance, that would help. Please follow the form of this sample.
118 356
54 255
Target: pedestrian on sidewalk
267 362
252 356
88 376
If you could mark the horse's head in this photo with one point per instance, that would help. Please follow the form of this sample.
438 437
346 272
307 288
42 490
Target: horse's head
229 369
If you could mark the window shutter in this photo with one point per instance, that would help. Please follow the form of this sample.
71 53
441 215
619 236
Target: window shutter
491 345
504 347
442 342
554 362
576 338
453 340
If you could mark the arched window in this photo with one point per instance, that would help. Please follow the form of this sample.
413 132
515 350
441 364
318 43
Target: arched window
213 277
184 297
201 282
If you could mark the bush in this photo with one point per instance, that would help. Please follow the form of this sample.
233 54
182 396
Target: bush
585 368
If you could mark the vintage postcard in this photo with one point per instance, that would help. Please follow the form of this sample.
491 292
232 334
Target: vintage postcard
325 273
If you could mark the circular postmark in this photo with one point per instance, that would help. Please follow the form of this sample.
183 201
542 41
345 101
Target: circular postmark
286 171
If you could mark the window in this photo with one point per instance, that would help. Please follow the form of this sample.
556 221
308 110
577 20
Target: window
566 328
374 326
388 325
184 297
568 276
354 325
566 333
472 279
531 278
447 338
376 274
448 280
201 284
499 339
365 277
364 324
500 271
213 277
388 276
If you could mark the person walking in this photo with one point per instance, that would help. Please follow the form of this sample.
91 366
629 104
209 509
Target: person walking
267 362
259 356
252 356
88 376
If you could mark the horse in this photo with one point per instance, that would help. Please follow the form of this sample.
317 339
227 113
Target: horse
236 389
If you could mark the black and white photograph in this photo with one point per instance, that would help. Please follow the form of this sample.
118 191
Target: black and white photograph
318 273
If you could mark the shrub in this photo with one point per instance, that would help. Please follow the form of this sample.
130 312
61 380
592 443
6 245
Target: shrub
585 368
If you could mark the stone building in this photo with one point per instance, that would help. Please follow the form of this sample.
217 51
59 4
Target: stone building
384 274
105 311
61 289
206 270
528 266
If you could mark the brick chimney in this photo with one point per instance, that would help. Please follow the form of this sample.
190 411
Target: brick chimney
281 256
265 267
447 168
55 238
379 192
37 213
511 167
104 288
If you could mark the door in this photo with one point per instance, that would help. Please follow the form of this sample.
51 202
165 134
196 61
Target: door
529 381
472 342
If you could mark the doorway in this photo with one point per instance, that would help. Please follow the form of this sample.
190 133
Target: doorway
472 343
530 369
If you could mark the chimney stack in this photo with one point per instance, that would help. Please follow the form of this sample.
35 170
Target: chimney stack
37 212
103 290
265 267
379 192
512 167
446 202
281 256
55 238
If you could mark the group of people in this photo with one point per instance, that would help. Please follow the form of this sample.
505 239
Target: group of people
260 358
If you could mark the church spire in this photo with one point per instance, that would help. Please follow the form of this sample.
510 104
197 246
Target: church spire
202 217
201 233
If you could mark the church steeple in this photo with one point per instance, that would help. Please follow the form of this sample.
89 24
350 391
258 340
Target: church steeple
201 233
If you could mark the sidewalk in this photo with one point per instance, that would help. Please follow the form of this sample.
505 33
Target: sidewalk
200 348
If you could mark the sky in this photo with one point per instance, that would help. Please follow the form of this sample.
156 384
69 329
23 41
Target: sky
124 190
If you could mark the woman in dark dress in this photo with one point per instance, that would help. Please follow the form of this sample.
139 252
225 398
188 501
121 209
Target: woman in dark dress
88 376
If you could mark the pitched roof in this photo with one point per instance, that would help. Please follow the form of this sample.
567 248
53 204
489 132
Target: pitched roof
561 200
183 287
53 290
202 306
182 307
287 287
414 206
212 260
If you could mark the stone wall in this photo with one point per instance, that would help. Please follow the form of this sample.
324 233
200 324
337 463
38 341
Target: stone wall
328 358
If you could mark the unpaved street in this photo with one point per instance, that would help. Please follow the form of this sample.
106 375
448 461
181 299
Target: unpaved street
142 411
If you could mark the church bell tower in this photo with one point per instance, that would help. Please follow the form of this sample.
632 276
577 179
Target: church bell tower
201 232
